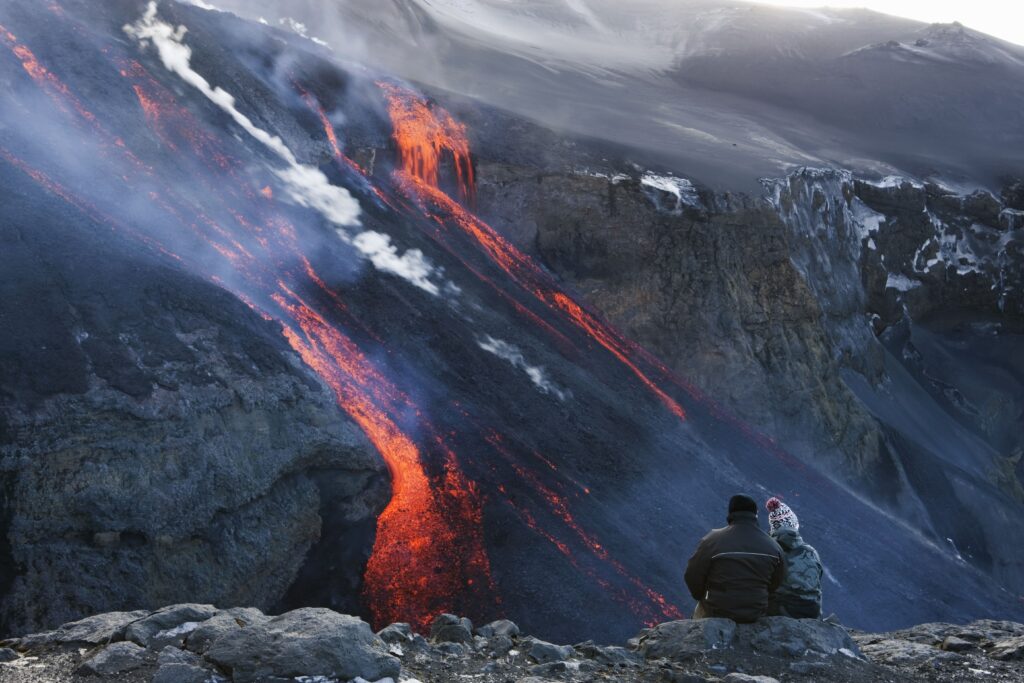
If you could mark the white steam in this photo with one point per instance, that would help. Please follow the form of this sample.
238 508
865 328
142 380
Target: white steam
412 265
305 185
511 354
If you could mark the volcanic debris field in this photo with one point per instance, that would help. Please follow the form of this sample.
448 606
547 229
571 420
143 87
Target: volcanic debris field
284 331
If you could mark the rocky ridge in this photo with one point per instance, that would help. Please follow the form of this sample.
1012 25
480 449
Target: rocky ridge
193 643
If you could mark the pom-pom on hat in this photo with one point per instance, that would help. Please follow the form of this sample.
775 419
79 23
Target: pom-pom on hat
781 516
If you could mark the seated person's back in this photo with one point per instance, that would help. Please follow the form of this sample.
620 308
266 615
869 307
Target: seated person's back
799 595
735 569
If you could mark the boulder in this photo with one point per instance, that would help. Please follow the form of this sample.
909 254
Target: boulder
396 634
94 630
898 652
774 636
1011 649
817 669
7 654
680 640
180 666
224 621
498 646
785 637
609 656
114 659
453 649
543 652
955 644
554 669
168 626
304 642
501 627
448 628
745 678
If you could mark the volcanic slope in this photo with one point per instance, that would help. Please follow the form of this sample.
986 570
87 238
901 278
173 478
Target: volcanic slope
731 91
534 452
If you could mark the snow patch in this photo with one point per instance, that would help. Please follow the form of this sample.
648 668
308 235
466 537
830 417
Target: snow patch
866 221
202 5
614 179
682 189
514 356
901 282
895 181
301 29
955 550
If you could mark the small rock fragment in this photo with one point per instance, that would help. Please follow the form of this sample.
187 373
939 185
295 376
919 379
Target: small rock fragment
954 644
745 678
397 633
1011 649
501 627
543 652
115 659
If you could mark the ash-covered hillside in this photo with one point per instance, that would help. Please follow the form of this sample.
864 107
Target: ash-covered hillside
286 330
729 92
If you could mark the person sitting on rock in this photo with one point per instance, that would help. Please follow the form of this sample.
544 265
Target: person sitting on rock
799 595
734 570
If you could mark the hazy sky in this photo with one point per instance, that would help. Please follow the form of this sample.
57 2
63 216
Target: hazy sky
1002 18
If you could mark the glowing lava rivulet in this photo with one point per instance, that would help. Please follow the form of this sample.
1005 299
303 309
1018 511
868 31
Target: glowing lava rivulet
242 238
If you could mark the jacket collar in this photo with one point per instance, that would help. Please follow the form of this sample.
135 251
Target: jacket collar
742 517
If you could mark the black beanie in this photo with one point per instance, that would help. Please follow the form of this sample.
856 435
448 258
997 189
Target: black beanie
741 503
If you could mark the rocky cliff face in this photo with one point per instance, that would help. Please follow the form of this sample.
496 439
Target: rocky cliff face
713 291
158 442
872 326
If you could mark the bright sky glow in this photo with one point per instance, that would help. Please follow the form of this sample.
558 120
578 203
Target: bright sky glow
1001 18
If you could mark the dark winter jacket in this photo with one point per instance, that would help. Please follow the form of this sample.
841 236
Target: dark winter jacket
735 569
799 595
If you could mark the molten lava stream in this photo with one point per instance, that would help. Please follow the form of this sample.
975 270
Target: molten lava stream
413 573
558 506
421 134
410 575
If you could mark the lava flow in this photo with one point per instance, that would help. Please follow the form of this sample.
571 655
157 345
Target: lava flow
431 517
424 134
421 132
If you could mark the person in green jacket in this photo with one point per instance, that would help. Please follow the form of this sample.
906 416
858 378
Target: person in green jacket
799 595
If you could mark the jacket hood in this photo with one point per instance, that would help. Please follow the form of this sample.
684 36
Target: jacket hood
787 537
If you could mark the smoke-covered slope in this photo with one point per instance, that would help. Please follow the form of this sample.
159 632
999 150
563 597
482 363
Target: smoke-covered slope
729 91
534 452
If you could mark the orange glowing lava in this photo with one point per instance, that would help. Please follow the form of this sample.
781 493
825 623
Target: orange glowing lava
410 574
423 134
519 266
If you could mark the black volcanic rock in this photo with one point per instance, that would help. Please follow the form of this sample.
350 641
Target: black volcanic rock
323 645
554 471
157 441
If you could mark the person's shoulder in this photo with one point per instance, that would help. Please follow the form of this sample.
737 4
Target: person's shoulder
807 549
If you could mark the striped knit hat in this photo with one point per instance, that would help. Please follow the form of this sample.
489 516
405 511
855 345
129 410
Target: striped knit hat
780 515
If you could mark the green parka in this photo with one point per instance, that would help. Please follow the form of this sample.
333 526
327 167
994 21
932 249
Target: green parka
799 595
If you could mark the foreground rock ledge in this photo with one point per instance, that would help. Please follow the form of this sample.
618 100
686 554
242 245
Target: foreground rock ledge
202 644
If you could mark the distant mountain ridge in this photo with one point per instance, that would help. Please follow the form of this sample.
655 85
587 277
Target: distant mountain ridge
724 92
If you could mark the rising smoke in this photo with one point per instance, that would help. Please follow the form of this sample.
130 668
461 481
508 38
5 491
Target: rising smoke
514 356
305 185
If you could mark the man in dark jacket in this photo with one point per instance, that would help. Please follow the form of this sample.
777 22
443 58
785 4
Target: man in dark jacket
735 570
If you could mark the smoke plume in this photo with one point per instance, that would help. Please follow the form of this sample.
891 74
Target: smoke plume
305 185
